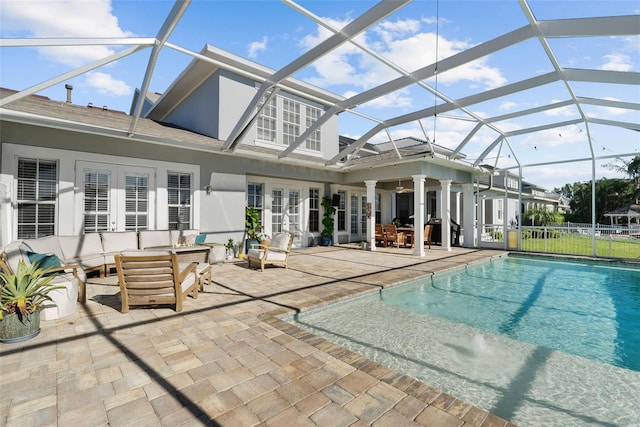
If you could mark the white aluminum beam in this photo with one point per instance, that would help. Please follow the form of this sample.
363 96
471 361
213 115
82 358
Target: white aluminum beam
119 41
178 9
68 75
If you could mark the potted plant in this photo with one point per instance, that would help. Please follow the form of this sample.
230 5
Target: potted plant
327 222
21 299
252 227
230 247
240 252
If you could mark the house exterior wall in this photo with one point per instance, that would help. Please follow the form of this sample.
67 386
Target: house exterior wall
220 213
199 111
203 113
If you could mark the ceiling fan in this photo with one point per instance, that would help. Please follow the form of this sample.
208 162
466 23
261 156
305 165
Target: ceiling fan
401 189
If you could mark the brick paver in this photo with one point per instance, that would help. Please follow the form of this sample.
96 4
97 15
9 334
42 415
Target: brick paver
228 358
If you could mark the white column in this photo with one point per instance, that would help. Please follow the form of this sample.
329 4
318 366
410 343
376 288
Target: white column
371 210
468 219
418 214
455 214
445 213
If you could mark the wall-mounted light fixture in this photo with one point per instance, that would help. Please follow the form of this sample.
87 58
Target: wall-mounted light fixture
208 189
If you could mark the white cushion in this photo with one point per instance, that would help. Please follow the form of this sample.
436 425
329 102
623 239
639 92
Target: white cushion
255 253
115 242
188 281
147 252
44 245
280 241
176 234
64 300
276 256
151 238
14 253
89 261
85 245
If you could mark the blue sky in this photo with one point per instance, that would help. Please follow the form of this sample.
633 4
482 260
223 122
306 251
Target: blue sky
272 33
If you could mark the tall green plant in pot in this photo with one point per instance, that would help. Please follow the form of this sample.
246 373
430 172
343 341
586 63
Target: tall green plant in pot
327 222
252 227
22 296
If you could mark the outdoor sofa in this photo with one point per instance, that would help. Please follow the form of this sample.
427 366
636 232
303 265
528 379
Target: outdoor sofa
76 256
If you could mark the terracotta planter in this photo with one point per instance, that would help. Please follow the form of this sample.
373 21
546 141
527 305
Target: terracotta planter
13 330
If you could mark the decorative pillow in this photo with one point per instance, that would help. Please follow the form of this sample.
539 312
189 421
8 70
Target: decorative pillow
188 240
200 238
44 261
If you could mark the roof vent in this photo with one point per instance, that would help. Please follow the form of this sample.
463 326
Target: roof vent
104 108
90 105
69 88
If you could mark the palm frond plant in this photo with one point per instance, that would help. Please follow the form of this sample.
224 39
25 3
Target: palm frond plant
26 291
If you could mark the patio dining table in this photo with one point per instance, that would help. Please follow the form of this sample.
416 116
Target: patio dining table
185 254
409 233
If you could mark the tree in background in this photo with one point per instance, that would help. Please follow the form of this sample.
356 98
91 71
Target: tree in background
632 169
543 216
610 195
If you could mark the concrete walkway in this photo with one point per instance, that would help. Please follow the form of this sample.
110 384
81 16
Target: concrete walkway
227 359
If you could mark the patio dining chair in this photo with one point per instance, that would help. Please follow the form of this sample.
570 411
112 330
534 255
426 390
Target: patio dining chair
154 277
427 234
276 252
379 235
392 235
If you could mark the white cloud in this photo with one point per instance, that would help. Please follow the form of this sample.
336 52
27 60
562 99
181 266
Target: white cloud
106 84
617 62
402 42
257 46
568 111
507 106
71 18
554 137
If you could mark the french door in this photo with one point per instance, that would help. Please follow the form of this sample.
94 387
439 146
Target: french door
358 217
116 197
286 212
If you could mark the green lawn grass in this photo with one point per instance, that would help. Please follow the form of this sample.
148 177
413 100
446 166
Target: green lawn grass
616 247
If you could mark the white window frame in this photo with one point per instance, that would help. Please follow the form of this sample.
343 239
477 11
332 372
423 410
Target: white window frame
312 114
266 124
290 121
180 225
36 200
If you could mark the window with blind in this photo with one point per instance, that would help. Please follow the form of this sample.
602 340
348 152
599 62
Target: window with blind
97 201
136 202
36 197
179 201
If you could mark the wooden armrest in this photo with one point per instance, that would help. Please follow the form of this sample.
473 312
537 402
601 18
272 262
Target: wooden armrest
188 270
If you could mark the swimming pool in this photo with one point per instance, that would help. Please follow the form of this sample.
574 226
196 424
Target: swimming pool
535 340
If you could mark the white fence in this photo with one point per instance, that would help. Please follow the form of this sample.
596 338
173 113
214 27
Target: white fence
611 241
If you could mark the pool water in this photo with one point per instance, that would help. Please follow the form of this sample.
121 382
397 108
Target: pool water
533 340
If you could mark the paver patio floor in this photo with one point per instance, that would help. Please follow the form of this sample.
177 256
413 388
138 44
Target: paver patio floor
228 359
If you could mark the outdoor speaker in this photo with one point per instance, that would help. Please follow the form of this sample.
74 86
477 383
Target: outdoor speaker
335 201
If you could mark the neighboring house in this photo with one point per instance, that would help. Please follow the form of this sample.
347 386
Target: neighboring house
500 206
198 157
